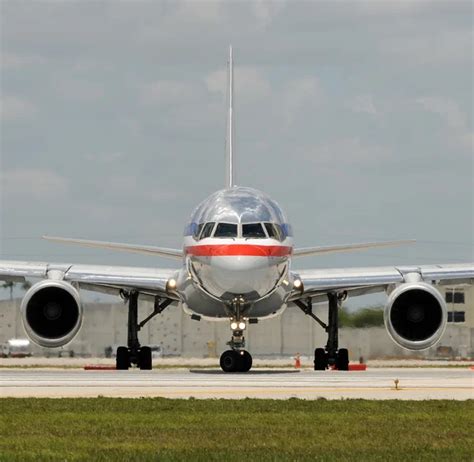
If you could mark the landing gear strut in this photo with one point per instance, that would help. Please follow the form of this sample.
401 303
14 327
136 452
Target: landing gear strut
331 355
134 353
237 359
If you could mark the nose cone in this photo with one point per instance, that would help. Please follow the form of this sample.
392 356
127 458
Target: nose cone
249 276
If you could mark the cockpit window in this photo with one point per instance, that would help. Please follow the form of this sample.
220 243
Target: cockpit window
197 230
226 230
253 230
274 231
207 229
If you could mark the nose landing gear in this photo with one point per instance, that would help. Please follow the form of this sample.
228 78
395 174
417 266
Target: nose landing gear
237 359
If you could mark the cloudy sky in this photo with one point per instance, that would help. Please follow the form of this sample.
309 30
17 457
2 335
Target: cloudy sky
355 116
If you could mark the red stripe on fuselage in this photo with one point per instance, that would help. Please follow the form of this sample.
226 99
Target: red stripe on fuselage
234 250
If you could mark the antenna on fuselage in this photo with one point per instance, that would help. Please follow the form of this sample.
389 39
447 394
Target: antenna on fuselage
230 126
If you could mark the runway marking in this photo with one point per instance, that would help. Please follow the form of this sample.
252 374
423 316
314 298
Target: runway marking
413 384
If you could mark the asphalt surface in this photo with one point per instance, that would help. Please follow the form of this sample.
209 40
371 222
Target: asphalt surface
418 384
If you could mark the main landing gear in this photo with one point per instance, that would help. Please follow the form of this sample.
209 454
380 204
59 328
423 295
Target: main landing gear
134 353
237 359
331 355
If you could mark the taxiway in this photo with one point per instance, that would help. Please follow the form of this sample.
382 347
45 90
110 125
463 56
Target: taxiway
388 383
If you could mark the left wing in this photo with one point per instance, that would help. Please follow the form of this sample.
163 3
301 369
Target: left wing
317 283
306 251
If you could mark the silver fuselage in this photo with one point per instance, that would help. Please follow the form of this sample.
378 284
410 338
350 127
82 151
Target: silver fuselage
238 244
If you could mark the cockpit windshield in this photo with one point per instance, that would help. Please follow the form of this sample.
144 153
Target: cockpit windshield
244 230
207 230
226 230
274 231
253 230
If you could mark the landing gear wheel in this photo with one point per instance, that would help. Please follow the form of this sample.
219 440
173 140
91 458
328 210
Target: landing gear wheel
230 361
245 361
342 360
320 359
144 358
122 361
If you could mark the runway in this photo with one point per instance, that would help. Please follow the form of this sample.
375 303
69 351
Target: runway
417 384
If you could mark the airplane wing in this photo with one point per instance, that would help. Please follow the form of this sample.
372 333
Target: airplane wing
318 283
306 251
105 279
133 248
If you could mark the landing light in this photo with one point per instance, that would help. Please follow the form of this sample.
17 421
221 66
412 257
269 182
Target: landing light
233 325
241 325
171 285
297 283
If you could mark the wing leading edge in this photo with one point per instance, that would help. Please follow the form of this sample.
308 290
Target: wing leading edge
107 279
360 281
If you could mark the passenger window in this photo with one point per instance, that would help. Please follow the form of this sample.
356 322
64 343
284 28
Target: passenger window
207 230
253 230
226 230
274 231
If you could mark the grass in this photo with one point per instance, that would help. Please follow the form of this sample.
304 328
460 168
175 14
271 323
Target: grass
148 429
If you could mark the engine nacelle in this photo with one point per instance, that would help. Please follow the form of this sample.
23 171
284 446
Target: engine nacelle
416 315
51 312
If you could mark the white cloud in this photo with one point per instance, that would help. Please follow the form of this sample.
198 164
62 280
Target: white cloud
445 108
10 61
300 93
443 47
33 183
199 10
265 11
349 151
14 108
364 104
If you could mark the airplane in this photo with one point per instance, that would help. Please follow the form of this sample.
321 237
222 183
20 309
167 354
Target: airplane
236 264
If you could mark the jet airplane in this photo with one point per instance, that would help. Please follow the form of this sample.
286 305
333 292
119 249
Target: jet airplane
236 264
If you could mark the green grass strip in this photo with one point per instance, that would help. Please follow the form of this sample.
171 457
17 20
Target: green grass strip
158 429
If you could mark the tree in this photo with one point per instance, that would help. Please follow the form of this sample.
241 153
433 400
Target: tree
25 285
366 317
9 285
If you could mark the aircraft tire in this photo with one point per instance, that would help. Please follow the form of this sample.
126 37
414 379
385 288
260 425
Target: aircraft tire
230 361
122 361
342 360
245 360
320 359
144 358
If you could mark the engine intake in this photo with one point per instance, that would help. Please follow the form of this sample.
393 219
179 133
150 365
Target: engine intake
415 315
51 313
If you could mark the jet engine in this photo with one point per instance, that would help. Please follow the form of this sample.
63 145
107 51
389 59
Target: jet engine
415 315
51 312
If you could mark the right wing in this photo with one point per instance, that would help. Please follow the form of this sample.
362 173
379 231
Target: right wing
134 248
98 278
